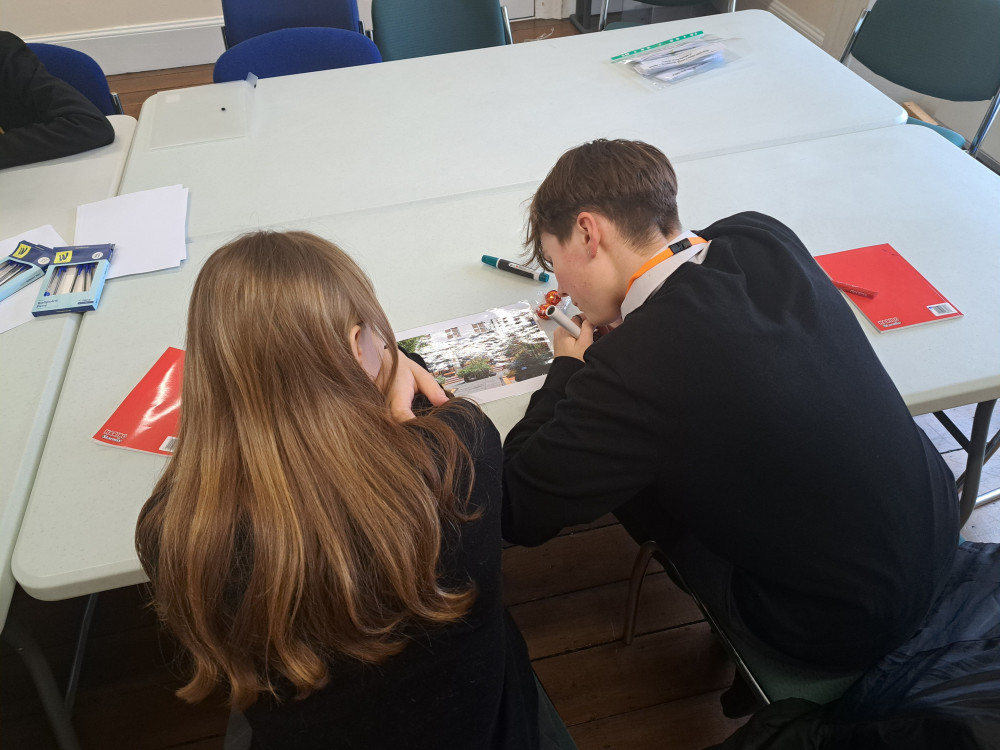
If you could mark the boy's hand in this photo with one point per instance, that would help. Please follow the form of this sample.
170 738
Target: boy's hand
604 330
567 346
410 380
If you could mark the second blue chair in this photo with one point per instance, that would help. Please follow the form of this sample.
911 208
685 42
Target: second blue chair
244 19
290 51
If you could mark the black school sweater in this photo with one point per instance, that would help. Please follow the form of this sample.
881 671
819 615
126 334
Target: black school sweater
42 116
744 399
468 685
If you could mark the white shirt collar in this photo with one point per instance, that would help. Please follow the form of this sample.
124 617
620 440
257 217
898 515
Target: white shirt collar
653 279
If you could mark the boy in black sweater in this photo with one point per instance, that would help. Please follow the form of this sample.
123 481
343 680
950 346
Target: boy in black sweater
42 117
737 415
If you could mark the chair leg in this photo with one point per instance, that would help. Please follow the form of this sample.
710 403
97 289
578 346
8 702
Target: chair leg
41 674
642 558
81 649
238 732
602 21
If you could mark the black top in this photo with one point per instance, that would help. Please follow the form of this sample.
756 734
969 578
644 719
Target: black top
467 685
745 399
42 116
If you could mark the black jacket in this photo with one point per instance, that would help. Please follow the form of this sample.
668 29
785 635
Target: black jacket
468 685
941 689
42 116
744 401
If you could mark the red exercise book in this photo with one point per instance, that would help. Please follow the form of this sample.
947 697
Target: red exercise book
903 297
147 419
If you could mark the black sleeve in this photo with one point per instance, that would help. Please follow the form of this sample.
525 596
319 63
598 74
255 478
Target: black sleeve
582 449
42 116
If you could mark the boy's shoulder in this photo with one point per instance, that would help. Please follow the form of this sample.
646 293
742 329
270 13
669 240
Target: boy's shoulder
745 222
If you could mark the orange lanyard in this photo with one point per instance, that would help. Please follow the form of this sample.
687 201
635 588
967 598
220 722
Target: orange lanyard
670 251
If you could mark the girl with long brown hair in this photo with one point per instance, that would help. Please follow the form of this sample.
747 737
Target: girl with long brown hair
326 558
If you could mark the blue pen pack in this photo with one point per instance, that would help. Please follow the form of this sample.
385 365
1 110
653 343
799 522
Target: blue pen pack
74 279
21 267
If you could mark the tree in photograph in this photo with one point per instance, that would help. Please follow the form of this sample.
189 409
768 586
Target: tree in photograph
416 344
475 369
527 358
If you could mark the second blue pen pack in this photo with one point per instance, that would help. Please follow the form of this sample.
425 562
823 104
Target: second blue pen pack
74 280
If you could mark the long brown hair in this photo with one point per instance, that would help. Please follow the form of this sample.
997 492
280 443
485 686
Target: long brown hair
297 522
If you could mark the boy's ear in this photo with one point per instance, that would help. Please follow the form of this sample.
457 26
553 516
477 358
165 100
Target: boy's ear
591 228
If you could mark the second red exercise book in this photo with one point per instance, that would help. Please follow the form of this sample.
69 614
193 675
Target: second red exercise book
147 419
904 297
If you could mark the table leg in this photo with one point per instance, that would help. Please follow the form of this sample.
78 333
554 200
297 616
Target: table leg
977 456
41 673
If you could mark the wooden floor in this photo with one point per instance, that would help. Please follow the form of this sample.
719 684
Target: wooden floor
567 596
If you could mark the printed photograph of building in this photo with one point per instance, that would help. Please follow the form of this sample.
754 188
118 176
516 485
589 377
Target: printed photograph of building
480 353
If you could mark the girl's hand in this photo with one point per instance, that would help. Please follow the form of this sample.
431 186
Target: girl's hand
410 380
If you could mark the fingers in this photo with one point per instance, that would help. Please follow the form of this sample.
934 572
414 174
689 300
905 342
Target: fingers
567 346
427 384
411 379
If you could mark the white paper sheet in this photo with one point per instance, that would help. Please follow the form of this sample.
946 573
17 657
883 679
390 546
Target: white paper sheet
147 229
16 309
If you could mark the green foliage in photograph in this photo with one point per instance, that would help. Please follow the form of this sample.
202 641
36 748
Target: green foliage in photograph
475 369
416 344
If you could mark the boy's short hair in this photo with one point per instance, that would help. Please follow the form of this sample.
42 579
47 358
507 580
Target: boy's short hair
629 182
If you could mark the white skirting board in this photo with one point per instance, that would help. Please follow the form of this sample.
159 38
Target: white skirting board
130 49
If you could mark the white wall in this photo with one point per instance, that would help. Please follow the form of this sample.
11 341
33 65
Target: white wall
820 21
124 36
33 18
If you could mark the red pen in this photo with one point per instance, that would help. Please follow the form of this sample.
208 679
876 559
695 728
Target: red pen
860 291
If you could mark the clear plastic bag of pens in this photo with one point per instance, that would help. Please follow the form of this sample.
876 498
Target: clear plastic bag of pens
74 279
673 60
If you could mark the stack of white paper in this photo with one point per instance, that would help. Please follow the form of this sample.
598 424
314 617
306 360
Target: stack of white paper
146 228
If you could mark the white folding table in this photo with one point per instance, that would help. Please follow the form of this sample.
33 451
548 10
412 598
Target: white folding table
356 138
905 186
33 360
33 356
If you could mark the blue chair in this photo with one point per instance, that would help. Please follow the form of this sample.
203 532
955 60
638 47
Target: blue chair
289 51
417 28
80 71
949 50
603 25
245 19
